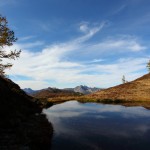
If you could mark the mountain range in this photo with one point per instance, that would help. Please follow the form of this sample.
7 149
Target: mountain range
53 93
78 89
84 89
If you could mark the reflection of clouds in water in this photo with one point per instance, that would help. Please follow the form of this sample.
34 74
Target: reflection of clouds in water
65 106
135 112
70 119
142 129
101 116
64 113
58 120
74 108
126 112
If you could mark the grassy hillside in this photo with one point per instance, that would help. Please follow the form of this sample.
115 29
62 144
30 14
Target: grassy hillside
137 90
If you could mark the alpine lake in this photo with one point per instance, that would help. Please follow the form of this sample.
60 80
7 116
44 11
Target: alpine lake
96 126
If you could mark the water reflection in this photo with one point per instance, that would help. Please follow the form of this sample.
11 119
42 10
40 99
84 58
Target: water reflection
99 126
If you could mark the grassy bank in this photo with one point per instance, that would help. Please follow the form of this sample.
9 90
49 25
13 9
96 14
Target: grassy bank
86 99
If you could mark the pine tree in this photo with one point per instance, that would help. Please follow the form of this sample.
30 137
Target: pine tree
7 38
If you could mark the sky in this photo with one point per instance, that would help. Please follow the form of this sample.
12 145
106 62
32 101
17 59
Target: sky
66 43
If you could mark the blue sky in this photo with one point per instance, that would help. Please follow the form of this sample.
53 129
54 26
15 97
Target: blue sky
66 43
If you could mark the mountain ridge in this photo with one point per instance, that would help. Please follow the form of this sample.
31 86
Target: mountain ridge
78 89
54 92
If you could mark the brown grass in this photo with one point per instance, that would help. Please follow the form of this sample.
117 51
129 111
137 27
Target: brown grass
138 90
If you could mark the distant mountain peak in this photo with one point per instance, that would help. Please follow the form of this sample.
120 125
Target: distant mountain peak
29 91
85 89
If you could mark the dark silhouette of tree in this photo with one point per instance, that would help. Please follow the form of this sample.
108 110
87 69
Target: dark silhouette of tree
7 38
148 66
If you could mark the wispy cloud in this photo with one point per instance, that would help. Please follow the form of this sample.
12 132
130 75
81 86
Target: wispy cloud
34 84
26 38
120 9
120 44
31 45
89 32
52 63
84 27
97 60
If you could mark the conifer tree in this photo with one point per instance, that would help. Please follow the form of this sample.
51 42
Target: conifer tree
7 38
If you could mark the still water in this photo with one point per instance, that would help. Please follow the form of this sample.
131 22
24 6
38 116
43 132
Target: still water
92 126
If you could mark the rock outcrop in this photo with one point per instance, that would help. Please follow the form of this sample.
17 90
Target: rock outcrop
85 89
22 125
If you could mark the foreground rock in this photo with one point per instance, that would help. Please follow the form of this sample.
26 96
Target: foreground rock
22 125
137 90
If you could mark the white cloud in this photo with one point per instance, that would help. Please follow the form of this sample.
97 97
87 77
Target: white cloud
97 60
91 32
128 44
52 63
35 84
136 46
84 27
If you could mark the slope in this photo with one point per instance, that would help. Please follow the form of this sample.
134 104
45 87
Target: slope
21 120
137 90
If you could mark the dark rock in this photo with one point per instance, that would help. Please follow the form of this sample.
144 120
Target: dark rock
20 127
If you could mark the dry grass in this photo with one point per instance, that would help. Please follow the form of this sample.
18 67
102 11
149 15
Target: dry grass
138 90
86 99
134 93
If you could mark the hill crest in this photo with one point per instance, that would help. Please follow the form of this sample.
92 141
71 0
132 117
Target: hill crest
136 90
